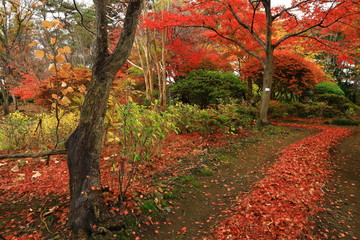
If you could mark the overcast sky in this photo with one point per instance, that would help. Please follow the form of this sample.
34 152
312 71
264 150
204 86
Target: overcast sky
287 3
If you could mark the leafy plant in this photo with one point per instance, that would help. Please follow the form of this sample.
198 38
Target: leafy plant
225 117
14 131
19 130
345 122
138 131
328 88
204 88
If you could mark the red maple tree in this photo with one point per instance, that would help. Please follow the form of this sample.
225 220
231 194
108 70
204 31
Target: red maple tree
292 74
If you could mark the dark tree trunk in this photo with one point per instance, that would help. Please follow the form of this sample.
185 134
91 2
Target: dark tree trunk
250 89
5 94
87 207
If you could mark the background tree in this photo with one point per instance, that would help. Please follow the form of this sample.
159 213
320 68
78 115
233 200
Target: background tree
87 208
15 27
255 27
293 75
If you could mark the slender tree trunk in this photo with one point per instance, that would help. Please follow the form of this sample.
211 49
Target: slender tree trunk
162 79
268 67
15 101
87 207
250 89
5 94
266 91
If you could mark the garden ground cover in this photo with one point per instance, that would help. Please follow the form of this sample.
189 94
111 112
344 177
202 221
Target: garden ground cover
209 183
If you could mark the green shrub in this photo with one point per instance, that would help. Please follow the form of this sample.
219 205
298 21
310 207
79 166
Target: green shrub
328 88
340 103
345 122
225 117
14 131
204 88
321 109
138 132
280 110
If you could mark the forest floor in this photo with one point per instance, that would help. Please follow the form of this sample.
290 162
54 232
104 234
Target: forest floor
206 191
212 199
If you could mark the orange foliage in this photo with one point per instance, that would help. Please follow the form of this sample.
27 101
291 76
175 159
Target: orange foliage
71 84
292 73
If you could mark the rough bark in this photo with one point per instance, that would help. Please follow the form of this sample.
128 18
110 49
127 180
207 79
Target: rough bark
87 207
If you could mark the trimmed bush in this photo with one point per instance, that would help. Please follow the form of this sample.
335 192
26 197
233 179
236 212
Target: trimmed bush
345 122
328 88
205 88
339 102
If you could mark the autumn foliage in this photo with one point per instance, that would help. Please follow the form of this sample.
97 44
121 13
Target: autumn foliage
64 87
281 205
293 74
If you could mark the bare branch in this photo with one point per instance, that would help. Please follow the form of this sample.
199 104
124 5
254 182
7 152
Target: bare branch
319 24
319 41
242 24
289 8
234 41
34 155
82 18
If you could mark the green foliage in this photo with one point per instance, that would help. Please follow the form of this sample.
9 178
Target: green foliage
14 131
328 88
226 117
345 122
320 109
204 88
325 105
138 131
339 102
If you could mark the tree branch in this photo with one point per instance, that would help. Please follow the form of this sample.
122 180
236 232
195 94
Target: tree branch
242 24
319 24
82 18
34 155
289 8
234 41
121 53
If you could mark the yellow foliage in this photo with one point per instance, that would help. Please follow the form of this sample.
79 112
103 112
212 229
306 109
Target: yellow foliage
60 58
46 24
50 56
34 43
39 54
52 68
52 41
67 49
65 67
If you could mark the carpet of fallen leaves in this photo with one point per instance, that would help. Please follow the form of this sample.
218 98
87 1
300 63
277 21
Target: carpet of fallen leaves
35 196
281 204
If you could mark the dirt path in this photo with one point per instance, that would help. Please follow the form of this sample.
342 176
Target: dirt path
341 218
207 199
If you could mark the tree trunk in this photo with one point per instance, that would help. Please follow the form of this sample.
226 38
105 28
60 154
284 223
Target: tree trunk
87 207
266 91
250 89
268 68
15 102
84 147
5 94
